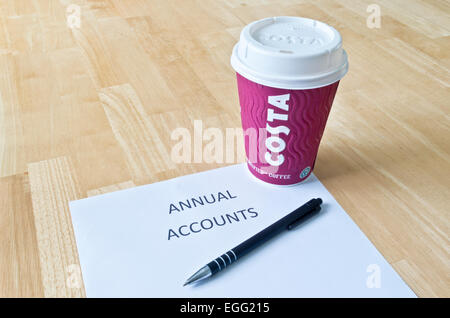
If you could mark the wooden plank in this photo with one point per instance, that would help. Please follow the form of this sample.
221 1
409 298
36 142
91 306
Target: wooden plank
20 272
111 188
140 141
53 184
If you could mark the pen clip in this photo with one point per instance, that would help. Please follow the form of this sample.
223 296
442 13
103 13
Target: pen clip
304 217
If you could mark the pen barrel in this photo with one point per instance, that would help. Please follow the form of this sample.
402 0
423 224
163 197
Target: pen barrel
223 261
276 228
288 222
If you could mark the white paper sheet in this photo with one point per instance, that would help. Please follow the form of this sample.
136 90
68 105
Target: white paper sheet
125 251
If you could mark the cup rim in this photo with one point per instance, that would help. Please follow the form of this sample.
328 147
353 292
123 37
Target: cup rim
305 82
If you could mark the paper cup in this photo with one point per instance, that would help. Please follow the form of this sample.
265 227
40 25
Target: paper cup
288 70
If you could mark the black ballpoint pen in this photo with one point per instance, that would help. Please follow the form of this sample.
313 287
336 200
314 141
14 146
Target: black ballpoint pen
288 222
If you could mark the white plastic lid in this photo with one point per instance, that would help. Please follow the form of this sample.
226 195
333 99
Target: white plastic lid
290 53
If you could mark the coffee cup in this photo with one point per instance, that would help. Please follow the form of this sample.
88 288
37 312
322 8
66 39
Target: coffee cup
288 70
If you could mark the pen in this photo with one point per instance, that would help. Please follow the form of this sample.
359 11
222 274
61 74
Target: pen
288 222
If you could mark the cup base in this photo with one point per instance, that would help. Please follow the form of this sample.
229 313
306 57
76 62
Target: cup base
251 172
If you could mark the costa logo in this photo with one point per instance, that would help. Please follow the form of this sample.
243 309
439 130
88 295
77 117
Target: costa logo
276 116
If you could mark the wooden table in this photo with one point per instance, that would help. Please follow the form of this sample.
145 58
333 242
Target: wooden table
90 110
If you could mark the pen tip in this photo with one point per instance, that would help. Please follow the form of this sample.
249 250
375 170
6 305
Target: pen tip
202 273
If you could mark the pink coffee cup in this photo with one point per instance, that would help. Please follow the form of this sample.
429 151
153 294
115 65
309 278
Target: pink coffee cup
288 70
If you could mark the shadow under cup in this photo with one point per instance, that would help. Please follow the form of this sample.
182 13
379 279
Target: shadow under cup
283 129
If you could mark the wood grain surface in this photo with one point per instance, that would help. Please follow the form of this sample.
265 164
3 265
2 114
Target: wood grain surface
90 109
